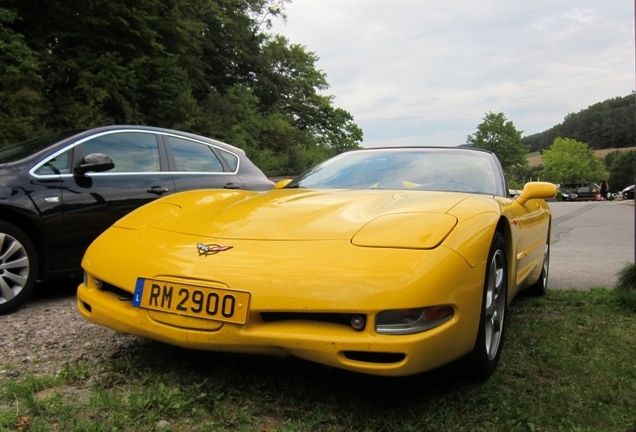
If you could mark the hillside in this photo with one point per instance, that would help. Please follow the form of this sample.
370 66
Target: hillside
536 160
605 125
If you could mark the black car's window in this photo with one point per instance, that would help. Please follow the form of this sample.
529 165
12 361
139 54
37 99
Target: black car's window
192 156
58 164
131 151
230 158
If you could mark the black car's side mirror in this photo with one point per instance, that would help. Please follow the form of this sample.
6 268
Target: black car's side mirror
95 162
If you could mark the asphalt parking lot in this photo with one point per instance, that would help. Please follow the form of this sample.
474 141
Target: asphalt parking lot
591 242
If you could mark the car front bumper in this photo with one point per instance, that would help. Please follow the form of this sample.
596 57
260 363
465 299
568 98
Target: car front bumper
327 343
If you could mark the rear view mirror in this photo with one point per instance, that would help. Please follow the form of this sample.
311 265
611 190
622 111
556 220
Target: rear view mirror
95 162
537 190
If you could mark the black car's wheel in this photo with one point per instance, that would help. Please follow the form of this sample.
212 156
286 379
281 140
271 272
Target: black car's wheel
541 286
18 267
483 359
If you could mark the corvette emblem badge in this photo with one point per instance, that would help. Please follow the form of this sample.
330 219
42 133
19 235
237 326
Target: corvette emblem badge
211 249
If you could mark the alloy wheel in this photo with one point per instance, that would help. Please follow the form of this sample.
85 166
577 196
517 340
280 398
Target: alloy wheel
14 267
495 305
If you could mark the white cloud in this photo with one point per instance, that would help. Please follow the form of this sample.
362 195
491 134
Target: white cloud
414 70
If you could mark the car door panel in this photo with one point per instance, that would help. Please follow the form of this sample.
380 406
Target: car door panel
39 201
532 222
94 201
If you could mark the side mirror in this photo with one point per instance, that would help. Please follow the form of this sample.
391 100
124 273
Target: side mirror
95 162
282 183
537 190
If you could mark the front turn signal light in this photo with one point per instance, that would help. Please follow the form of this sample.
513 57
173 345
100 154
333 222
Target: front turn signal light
88 279
409 321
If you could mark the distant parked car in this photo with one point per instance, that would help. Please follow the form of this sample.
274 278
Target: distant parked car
59 192
628 192
578 191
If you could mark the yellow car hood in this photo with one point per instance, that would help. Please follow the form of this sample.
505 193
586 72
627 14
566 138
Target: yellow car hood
369 217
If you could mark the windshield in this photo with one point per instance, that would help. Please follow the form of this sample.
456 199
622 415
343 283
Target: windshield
459 170
34 145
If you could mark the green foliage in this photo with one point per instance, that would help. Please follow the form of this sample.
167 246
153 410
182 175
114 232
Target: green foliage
625 298
519 175
571 161
627 277
607 124
203 66
625 290
501 137
289 84
621 167
22 104
534 142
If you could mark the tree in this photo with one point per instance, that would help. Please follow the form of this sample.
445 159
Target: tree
607 124
571 161
202 66
21 102
500 136
519 175
621 169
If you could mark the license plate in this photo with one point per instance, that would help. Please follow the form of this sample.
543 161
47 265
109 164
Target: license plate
191 300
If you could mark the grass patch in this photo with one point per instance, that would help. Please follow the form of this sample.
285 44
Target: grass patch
567 365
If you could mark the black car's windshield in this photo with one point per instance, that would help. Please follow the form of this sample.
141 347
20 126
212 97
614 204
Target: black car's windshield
459 170
26 148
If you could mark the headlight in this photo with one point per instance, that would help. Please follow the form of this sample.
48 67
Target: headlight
389 231
409 321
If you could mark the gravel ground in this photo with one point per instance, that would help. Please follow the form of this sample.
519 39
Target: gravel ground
48 332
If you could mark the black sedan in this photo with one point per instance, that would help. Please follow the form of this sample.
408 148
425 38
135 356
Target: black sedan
59 192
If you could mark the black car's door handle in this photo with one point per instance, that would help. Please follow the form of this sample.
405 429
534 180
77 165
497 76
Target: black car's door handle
232 186
157 190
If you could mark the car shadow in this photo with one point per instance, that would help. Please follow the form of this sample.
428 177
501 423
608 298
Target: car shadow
301 382
58 289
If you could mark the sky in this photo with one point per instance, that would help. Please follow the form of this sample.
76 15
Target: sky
426 72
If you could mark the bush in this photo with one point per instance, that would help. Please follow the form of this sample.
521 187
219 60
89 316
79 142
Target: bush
625 290
627 277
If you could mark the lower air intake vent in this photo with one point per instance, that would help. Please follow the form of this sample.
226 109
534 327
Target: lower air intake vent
334 318
374 357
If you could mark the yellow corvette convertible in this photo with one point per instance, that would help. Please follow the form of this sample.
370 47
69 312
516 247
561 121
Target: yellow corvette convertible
387 261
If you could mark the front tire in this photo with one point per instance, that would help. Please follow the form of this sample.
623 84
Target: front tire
18 267
483 359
